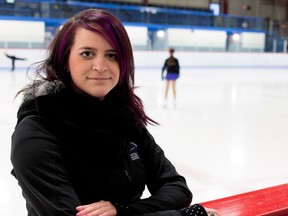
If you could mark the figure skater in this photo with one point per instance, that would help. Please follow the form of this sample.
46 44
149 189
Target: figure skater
172 67
13 59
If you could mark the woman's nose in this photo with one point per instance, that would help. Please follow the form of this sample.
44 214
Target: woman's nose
100 66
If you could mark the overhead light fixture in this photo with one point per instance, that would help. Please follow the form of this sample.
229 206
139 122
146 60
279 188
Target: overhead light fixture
160 33
235 37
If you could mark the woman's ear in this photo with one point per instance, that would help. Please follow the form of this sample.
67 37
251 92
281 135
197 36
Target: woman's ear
66 68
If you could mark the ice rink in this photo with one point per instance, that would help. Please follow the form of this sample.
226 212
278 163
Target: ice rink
228 133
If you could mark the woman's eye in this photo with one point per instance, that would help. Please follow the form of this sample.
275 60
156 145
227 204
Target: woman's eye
112 56
86 54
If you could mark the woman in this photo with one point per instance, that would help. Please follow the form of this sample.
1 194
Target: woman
171 64
81 146
13 59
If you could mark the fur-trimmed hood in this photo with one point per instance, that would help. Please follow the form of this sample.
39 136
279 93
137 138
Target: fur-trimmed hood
53 101
30 104
41 88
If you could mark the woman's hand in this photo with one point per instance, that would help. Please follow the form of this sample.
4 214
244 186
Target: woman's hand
102 208
212 212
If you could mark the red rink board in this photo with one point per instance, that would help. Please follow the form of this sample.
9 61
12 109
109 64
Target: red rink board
272 201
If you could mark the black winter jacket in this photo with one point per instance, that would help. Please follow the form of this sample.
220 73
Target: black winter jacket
69 149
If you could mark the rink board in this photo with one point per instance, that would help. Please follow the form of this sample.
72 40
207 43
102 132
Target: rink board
272 201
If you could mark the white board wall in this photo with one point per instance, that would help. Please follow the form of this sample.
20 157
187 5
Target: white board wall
155 59
22 31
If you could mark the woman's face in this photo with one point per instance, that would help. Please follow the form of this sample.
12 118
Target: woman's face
93 64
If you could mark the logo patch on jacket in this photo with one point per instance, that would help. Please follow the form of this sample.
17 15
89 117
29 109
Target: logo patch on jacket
134 151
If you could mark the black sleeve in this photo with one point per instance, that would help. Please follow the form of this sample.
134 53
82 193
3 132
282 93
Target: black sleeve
164 66
8 55
168 189
40 170
177 64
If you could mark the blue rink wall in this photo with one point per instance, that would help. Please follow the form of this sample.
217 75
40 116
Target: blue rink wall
155 59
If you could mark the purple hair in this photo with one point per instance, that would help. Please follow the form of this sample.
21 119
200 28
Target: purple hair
109 27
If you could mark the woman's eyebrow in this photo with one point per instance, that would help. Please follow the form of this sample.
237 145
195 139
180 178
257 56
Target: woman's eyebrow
110 50
86 48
